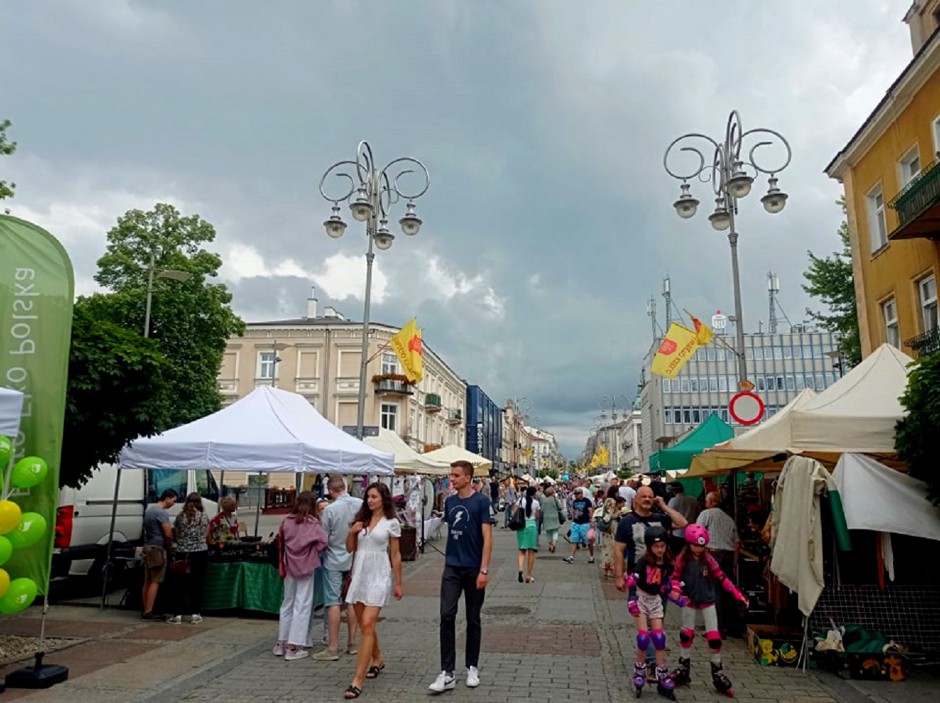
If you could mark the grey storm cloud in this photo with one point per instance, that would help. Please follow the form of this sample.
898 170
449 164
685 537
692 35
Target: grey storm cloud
548 222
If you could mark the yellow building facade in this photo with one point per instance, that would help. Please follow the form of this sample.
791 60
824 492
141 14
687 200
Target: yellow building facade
891 175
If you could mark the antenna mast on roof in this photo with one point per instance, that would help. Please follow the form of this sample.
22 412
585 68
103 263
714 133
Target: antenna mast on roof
773 289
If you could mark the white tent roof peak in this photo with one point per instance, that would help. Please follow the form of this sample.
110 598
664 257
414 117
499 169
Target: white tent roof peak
407 460
269 430
452 453
858 412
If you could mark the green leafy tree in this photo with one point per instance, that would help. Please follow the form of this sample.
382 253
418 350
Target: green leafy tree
830 280
191 320
6 148
116 392
914 434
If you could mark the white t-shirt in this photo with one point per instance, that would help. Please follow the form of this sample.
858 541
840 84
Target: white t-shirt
535 507
628 495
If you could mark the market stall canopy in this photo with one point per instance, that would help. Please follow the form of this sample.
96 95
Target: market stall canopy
712 431
857 413
407 460
452 453
878 498
269 430
759 445
11 405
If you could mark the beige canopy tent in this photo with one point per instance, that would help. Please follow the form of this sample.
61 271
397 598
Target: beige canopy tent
407 460
855 414
452 453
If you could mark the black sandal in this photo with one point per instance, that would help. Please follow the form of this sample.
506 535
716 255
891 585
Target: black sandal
374 671
352 693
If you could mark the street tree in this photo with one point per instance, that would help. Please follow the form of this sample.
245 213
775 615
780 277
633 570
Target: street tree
830 281
914 433
6 149
191 320
116 392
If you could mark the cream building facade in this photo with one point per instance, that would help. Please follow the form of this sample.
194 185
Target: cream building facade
319 358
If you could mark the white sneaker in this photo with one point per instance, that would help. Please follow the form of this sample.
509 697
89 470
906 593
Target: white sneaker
473 677
195 619
295 654
443 682
279 650
174 619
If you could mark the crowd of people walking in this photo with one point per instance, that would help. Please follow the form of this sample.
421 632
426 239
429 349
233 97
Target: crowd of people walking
656 544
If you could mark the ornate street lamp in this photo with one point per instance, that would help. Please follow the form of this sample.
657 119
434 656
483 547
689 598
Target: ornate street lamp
371 192
731 170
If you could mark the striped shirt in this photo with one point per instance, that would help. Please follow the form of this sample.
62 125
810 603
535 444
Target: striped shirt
722 532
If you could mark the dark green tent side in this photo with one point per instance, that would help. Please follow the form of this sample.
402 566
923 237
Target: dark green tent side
705 436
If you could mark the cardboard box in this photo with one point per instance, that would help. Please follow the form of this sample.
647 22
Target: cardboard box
773 645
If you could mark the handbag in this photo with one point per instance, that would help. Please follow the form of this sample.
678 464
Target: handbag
180 566
562 518
517 519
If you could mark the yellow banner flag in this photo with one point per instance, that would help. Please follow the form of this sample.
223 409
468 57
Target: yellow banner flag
703 333
407 346
677 348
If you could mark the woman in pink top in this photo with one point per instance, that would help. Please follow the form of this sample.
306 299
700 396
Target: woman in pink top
303 540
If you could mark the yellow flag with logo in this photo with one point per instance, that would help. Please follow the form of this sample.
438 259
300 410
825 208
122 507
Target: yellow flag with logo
703 333
676 349
408 347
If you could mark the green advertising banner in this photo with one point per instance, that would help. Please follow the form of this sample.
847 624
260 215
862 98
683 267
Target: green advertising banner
36 294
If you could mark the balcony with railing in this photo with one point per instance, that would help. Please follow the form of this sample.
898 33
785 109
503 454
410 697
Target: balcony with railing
454 416
392 384
432 403
925 343
918 206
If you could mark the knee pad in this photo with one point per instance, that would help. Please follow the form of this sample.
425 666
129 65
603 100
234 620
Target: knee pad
714 640
642 640
685 637
659 640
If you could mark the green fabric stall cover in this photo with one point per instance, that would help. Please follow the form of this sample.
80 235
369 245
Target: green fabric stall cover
838 522
711 432
248 585
654 463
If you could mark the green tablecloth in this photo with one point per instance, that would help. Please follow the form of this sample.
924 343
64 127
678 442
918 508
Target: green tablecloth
247 585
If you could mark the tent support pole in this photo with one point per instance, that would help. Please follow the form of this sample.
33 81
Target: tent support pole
258 511
423 503
106 568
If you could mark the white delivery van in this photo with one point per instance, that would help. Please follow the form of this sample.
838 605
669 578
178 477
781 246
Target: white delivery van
83 518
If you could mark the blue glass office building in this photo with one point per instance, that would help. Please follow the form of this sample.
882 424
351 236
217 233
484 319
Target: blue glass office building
484 425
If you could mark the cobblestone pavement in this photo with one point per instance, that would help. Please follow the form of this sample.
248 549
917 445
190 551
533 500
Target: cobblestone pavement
565 637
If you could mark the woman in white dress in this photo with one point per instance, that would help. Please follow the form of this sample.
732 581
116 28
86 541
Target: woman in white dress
373 538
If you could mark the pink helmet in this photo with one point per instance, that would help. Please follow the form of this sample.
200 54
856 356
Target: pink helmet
696 534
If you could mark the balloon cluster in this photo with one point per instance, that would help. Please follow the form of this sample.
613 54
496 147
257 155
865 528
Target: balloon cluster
18 530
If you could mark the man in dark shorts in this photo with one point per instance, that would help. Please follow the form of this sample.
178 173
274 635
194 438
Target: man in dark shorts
158 540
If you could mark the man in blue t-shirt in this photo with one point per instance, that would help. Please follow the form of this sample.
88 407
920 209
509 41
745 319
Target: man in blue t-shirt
470 518
582 509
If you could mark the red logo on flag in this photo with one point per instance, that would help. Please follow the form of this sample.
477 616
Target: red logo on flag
415 345
668 347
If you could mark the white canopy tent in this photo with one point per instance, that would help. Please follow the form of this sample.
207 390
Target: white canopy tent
858 413
452 453
407 460
11 405
268 430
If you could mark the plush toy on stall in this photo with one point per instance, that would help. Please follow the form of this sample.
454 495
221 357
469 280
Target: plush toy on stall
18 530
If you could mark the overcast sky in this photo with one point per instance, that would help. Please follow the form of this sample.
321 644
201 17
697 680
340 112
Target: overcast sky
549 219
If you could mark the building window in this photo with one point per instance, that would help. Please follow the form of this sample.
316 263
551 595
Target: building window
927 292
684 385
667 385
791 383
667 416
266 364
936 134
877 225
389 363
390 417
889 313
909 166
693 384
722 383
713 383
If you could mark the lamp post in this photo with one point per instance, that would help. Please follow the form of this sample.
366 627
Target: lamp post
375 192
181 276
729 171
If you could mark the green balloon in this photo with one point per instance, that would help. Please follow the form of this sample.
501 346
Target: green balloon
6 451
29 471
30 530
19 596
6 549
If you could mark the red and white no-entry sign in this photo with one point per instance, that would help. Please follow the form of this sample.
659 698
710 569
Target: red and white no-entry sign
746 408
